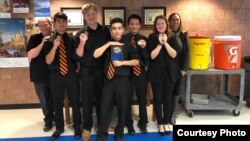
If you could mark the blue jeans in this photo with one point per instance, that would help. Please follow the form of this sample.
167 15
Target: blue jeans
46 102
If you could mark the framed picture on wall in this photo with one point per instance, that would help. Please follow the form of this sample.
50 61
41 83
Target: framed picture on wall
75 17
149 14
113 12
20 6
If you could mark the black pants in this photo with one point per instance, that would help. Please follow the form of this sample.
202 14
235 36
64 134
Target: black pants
116 90
139 85
91 91
45 98
177 87
162 97
59 84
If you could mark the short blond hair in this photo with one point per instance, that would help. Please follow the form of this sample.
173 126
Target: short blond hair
87 7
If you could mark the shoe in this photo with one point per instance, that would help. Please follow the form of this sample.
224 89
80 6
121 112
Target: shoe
56 134
78 134
167 129
162 133
161 130
47 127
111 129
118 138
143 128
131 130
86 135
167 132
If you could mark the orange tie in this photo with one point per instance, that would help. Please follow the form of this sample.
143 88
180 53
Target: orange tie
111 71
63 67
136 69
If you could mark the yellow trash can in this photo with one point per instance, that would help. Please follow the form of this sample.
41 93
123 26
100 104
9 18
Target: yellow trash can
199 52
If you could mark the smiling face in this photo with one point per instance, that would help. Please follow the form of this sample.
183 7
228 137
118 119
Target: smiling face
161 25
60 22
134 26
175 22
44 26
91 17
116 31
60 25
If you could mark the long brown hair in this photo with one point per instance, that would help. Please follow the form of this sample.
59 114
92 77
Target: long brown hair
165 19
180 28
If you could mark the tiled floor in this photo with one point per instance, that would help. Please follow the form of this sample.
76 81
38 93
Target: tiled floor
28 122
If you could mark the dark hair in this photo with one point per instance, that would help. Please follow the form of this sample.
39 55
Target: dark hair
156 19
116 20
60 15
134 16
180 28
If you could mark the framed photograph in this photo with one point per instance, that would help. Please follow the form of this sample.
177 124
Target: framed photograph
113 12
21 6
75 17
149 14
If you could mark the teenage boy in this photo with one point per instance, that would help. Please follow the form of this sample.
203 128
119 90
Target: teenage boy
138 80
60 57
119 57
87 39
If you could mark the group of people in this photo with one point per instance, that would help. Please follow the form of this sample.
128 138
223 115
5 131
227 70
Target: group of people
102 80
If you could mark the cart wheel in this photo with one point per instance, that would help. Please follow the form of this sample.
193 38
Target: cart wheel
236 112
190 113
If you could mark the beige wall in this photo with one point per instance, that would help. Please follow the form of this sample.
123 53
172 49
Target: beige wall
208 17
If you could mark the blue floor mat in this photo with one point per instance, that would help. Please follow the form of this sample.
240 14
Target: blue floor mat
136 137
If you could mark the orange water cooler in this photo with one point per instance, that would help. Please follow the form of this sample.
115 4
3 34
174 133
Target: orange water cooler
227 52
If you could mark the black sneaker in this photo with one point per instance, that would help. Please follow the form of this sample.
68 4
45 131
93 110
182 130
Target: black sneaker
131 130
143 128
78 134
56 134
47 127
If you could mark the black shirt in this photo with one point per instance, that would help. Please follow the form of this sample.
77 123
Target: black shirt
39 71
129 53
70 51
142 52
181 45
163 65
96 38
160 61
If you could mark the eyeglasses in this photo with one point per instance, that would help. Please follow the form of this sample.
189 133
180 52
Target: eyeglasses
43 25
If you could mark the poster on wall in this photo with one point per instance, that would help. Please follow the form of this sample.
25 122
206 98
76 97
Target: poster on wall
5 9
21 6
13 43
42 9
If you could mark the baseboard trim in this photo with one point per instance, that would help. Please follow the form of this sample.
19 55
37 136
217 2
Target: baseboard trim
20 106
